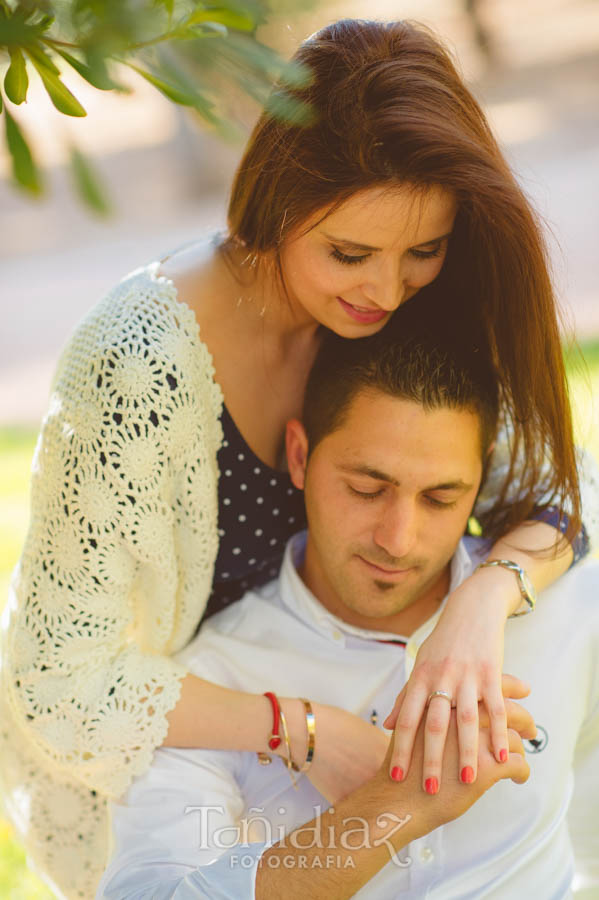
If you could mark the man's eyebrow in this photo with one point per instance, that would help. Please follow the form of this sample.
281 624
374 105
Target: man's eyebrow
354 245
458 485
368 471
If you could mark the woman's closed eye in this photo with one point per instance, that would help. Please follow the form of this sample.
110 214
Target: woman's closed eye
346 258
349 259
436 250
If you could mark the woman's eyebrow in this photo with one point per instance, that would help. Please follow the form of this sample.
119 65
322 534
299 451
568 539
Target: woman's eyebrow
357 246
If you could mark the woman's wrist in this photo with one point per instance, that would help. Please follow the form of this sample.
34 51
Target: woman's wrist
496 588
295 717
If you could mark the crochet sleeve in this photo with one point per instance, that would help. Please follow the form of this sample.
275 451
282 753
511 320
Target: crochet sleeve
118 560
588 473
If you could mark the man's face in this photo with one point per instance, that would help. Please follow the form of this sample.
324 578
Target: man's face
388 496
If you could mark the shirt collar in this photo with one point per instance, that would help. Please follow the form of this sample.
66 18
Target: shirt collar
302 603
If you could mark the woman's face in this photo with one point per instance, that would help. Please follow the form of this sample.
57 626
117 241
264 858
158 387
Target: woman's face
353 268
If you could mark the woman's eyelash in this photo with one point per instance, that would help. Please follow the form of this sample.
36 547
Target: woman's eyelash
349 260
345 258
427 254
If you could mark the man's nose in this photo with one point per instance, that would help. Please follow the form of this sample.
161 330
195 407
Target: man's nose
396 530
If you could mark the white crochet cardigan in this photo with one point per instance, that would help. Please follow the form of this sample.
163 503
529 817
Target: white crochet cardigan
115 573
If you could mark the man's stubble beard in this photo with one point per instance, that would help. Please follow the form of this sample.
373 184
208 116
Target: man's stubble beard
366 599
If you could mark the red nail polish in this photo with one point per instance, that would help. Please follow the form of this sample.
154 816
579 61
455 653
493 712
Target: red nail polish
431 785
503 755
467 775
397 773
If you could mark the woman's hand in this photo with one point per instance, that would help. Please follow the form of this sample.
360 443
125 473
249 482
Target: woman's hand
349 751
463 656
455 796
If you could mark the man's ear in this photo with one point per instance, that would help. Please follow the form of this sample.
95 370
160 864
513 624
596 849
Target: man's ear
296 444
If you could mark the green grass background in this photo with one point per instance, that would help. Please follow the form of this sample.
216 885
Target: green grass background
17 882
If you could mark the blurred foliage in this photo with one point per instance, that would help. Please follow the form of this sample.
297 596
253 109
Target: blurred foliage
194 53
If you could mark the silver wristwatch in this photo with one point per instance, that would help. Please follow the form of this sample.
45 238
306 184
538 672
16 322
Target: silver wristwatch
527 591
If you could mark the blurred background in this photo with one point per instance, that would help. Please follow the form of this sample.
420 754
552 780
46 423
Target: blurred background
533 64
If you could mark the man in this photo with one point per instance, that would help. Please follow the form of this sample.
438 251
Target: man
390 455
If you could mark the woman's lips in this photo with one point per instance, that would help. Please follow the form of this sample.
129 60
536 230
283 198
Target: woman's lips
363 314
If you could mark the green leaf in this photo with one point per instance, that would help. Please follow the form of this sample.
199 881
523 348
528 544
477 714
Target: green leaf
169 90
88 183
16 80
29 9
98 79
182 97
24 168
13 31
241 20
45 22
59 94
207 29
39 57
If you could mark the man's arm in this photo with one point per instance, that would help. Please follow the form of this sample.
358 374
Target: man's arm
391 815
177 833
166 830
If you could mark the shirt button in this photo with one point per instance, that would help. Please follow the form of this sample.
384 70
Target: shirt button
337 635
426 855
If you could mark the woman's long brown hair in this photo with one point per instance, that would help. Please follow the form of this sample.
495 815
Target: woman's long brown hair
389 107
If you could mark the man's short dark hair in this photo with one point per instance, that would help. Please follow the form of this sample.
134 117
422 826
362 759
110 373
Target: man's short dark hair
410 359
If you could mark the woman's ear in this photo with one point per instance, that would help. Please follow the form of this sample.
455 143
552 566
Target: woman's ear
296 444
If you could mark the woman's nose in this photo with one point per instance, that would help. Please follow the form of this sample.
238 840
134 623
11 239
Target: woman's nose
387 289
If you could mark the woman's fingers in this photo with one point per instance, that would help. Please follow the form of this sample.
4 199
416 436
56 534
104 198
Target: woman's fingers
467 719
435 733
391 719
408 719
518 719
495 712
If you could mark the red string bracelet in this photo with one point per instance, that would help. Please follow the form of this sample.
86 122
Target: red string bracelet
275 738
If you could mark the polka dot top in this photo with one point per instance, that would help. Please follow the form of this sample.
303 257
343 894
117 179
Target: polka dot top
258 510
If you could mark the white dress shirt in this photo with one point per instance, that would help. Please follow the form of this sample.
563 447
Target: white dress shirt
513 843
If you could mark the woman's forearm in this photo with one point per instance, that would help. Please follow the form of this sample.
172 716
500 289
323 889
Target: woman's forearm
217 718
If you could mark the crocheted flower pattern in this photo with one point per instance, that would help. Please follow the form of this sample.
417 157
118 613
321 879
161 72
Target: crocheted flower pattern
124 493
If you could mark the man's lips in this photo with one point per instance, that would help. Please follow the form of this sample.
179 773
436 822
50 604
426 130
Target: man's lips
364 314
384 570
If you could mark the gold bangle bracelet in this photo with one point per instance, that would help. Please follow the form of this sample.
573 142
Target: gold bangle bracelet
311 727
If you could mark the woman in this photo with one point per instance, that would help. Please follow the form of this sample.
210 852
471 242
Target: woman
396 188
